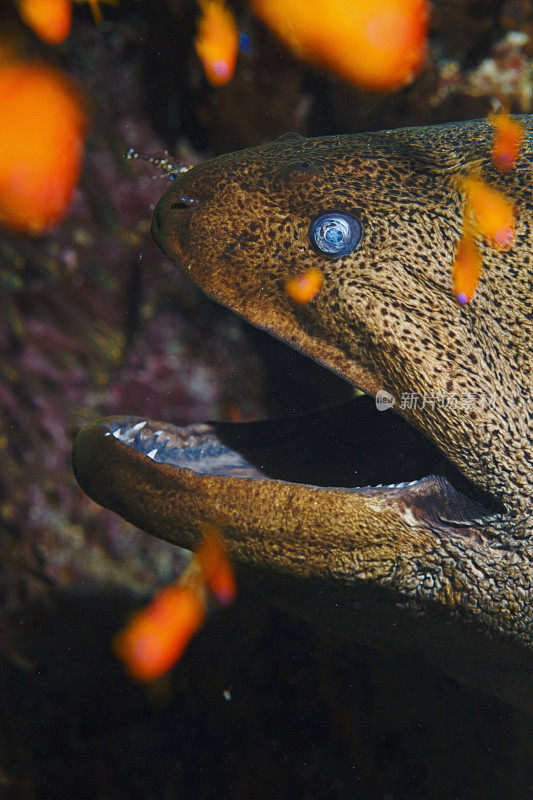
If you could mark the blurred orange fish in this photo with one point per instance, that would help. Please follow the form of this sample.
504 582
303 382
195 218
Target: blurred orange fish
217 41
305 287
158 635
508 138
41 145
51 19
493 212
467 267
375 44
216 568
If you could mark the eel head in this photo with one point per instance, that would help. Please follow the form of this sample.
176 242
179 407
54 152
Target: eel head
405 528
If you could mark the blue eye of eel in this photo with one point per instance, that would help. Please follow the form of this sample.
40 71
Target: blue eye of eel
335 234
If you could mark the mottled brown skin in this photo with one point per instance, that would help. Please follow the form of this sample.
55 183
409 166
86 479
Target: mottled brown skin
382 566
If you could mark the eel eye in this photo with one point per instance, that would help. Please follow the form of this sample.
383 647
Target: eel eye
335 234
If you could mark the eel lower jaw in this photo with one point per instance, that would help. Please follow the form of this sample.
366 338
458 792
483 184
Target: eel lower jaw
370 457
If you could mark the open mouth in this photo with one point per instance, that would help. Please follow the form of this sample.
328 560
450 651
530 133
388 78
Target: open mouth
353 447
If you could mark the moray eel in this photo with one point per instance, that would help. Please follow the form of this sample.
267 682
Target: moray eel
407 528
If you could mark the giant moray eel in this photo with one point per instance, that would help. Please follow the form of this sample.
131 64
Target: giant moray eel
407 530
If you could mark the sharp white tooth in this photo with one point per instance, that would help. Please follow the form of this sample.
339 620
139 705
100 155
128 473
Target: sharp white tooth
152 453
108 433
412 483
138 427
118 433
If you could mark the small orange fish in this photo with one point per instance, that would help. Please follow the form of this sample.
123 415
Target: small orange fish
493 212
216 568
41 145
305 287
467 267
158 635
217 42
49 19
508 137
375 44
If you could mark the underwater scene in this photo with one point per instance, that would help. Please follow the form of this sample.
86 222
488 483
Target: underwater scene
266 392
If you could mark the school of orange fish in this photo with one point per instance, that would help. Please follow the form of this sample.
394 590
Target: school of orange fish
488 213
378 45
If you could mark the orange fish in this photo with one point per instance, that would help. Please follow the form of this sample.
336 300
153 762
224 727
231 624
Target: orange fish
216 568
467 267
158 635
493 212
217 42
508 138
49 19
375 44
305 287
41 145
